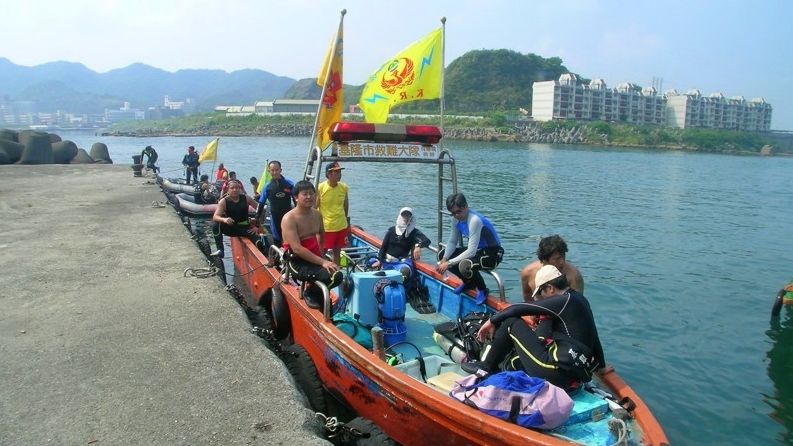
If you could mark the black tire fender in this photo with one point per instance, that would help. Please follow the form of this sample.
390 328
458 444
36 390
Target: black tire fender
376 436
279 312
303 370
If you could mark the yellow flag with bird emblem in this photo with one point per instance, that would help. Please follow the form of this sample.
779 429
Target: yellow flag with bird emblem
412 75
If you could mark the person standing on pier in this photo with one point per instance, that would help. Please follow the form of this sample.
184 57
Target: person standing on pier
334 205
483 250
279 193
190 163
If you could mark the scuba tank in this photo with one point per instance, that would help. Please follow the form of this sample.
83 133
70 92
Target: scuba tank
454 350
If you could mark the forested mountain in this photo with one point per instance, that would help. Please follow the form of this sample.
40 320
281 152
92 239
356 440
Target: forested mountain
484 80
478 81
58 83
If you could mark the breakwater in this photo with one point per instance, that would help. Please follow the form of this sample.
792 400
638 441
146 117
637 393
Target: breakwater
520 132
529 133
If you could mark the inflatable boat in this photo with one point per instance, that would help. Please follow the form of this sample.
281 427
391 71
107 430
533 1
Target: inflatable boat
186 204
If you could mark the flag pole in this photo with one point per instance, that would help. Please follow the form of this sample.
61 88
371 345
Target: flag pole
328 70
443 70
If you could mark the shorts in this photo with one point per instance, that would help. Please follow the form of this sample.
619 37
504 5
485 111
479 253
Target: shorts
336 239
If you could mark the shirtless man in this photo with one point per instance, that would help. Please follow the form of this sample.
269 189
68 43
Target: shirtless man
303 234
551 251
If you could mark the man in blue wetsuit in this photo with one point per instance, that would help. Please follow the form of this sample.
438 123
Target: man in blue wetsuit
562 348
483 250
278 191
190 163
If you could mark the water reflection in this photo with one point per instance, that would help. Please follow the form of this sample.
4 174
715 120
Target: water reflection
780 370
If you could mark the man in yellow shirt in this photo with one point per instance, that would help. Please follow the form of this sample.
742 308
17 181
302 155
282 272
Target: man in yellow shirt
333 203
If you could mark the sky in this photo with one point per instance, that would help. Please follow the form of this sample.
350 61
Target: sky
738 48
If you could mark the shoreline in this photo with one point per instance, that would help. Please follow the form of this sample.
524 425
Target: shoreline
528 135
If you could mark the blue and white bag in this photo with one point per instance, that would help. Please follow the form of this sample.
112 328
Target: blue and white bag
515 397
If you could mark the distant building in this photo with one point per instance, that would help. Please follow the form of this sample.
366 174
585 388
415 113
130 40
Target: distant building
295 106
717 112
125 113
567 98
278 106
186 107
263 107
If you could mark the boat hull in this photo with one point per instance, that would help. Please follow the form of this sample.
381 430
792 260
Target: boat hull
403 407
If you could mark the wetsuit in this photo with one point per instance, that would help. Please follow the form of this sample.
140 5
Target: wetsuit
564 348
190 161
397 250
279 194
483 248
152 156
239 212
205 195
304 270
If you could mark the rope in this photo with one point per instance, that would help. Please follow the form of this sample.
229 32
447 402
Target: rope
157 204
619 429
201 273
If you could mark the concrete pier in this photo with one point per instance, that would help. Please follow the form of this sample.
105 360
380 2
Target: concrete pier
103 341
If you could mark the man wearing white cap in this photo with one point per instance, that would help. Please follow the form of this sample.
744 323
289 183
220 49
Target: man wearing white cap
564 349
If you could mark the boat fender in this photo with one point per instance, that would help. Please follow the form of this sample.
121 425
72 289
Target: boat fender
279 309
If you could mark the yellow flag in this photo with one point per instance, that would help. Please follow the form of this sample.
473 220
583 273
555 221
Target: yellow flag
265 178
210 152
330 77
412 75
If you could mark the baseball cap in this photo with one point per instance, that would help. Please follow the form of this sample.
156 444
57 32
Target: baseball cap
333 166
546 274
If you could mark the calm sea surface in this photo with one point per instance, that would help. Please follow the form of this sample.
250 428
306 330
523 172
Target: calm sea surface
682 254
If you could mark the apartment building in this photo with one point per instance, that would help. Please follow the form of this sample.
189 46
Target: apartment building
568 98
717 112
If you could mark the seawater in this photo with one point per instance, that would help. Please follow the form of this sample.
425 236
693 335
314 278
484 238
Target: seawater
682 254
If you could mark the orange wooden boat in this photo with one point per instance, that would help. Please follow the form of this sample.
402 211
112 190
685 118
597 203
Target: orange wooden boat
408 403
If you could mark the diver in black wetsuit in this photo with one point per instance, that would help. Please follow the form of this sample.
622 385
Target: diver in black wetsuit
151 155
231 218
563 348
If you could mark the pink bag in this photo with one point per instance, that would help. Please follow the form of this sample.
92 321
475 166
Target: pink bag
515 397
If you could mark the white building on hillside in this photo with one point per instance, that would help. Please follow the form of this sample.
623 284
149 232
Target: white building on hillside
567 98
717 112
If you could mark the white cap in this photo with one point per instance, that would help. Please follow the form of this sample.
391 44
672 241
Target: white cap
546 274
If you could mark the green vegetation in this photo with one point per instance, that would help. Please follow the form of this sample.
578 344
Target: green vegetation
693 139
497 124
